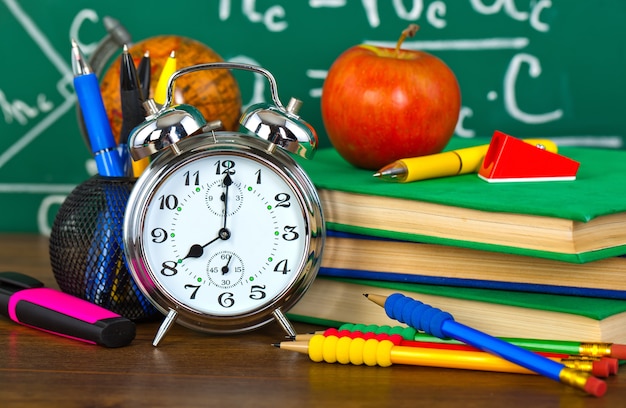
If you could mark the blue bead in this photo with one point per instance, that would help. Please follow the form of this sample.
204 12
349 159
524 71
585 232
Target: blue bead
437 323
390 303
408 311
398 306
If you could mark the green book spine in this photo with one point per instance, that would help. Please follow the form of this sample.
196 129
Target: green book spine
594 308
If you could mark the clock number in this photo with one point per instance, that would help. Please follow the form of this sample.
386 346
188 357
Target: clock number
290 233
257 292
258 176
283 200
224 167
170 202
226 299
282 267
192 178
194 291
159 235
169 268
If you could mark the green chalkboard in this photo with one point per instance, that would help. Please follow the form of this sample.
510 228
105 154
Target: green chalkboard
544 68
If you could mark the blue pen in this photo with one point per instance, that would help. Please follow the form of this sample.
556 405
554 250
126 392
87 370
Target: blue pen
95 117
109 164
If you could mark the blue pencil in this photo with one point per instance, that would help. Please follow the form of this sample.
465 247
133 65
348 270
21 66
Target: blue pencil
441 324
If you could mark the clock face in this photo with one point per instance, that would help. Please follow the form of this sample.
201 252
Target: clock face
221 233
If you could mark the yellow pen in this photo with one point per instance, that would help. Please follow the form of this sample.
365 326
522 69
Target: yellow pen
160 92
452 163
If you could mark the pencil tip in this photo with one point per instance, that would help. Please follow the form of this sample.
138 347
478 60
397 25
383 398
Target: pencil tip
146 54
125 48
74 43
173 54
276 345
366 295
377 174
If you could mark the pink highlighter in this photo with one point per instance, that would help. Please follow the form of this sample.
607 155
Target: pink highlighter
24 300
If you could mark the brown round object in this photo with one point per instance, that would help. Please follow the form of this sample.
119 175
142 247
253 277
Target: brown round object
214 92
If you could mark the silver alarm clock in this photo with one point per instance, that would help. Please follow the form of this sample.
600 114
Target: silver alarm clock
223 231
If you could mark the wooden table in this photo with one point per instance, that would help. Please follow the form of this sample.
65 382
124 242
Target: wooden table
191 369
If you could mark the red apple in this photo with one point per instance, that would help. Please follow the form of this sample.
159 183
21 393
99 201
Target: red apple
383 104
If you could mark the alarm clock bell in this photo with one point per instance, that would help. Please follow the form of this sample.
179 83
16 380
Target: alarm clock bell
166 125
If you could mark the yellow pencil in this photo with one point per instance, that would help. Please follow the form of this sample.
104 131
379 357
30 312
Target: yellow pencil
371 352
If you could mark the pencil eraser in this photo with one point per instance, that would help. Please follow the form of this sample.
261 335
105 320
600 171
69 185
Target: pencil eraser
595 386
612 363
601 369
618 351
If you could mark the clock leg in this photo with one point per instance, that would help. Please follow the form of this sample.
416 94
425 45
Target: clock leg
165 326
285 323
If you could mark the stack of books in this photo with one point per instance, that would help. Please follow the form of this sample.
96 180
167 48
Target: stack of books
541 260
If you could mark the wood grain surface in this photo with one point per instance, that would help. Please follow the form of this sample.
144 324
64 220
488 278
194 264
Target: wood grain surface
191 369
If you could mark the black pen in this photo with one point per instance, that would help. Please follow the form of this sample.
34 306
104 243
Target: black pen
144 71
26 301
133 113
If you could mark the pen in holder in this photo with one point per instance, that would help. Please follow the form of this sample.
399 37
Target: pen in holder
86 252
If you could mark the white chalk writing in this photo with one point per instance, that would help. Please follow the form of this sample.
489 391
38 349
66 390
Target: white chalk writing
20 111
517 65
510 80
273 17
508 7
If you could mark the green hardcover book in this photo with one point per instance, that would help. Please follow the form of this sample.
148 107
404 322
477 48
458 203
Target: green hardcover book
574 221
334 301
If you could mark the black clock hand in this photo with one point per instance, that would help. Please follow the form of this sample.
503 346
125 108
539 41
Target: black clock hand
196 250
225 268
227 182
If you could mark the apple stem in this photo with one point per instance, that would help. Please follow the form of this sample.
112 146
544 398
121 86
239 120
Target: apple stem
407 32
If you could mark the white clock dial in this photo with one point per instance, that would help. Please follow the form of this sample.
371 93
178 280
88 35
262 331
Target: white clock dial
255 220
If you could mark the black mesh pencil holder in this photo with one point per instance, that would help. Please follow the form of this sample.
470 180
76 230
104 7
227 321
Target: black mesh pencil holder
86 250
